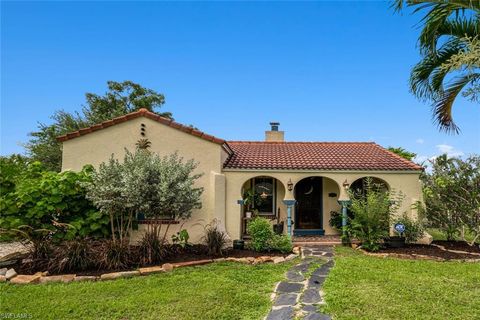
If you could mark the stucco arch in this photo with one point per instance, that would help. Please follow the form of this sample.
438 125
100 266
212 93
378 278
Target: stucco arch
375 180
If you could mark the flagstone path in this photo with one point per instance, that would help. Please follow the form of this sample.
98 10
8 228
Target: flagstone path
300 295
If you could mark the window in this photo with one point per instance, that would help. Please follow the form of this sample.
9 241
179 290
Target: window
264 195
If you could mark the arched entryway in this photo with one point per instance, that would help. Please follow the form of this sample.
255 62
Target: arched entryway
263 197
359 186
314 197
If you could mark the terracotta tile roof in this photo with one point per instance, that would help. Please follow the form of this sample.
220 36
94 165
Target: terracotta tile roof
314 155
141 113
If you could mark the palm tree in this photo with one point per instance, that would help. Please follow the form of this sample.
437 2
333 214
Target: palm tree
450 47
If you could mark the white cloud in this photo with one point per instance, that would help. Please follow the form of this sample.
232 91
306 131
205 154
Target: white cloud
449 150
420 141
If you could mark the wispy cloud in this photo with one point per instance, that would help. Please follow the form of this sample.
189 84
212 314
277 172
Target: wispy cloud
449 150
420 141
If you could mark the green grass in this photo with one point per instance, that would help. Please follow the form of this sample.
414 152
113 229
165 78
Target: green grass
365 287
215 291
439 235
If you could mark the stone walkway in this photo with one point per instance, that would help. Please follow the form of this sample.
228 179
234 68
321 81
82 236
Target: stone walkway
300 295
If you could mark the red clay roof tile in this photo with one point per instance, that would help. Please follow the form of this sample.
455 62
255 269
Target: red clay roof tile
314 156
140 113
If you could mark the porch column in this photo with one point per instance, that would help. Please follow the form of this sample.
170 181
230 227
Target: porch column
344 204
240 202
289 204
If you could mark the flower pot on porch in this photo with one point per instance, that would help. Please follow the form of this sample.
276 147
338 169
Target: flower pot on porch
395 242
238 244
278 228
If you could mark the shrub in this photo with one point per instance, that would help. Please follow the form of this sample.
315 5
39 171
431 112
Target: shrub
151 247
214 239
52 202
112 255
413 228
73 255
372 210
261 233
281 243
181 238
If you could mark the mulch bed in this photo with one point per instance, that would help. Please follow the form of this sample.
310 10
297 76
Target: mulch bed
413 251
194 253
458 245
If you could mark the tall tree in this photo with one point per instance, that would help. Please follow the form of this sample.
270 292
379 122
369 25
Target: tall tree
402 153
449 44
121 98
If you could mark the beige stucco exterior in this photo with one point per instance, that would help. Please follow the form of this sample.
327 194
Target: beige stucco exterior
222 188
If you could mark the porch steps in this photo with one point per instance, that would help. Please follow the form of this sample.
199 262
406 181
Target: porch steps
316 240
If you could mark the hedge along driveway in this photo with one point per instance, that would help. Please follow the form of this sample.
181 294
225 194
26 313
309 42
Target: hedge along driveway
365 287
225 290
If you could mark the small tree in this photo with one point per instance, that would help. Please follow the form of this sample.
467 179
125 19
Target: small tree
145 184
372 210
452 196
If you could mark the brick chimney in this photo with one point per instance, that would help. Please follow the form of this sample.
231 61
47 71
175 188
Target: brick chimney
274 135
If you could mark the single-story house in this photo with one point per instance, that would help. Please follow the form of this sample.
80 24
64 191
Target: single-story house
299 183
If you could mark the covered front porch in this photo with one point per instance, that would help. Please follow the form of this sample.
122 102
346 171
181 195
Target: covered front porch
300 206
303 208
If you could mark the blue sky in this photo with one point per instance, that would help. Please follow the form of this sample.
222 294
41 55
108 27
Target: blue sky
327 71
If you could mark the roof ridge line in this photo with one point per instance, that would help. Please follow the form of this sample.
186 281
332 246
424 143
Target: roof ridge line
133 115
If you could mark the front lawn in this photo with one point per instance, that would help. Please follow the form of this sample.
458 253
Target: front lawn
216 291
365 287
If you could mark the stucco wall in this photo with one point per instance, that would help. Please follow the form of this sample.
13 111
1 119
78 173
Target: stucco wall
97 147
406 182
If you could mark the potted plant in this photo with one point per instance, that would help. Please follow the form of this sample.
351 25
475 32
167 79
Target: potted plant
248 202
278 227
397 241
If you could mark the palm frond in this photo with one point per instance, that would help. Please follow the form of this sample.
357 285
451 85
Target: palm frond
427 76
442 110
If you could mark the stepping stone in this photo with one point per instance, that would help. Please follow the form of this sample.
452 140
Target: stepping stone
286 299
309 308
324 269
285 313
295 276
311 296
303 267
290 287
317 316
316 282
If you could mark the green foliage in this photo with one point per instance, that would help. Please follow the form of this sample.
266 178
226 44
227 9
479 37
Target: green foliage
281 243
413 228
451 194
261 232
371 215
40 203
144 184
402 153
264 239
120 99
214 239
181 238
449 47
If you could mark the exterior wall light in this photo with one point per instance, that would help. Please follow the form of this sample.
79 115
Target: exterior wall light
346 184
290 185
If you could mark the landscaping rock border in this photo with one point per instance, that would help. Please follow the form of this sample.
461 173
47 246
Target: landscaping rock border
10 275
412 256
